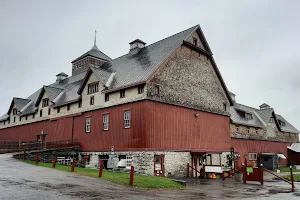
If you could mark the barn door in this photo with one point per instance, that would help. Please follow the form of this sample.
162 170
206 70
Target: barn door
159 165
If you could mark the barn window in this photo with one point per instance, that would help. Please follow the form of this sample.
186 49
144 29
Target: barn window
224 107
157 90
41 113
141 89
92 100
45 102
128 161
58 109
248 130
195 41
26 117
15 111
105 122
20 118
33 115
127 119
237 129
68 107
14 119
93 88
122 93
49 111
252 156
88 125
256 131
106 98
80 103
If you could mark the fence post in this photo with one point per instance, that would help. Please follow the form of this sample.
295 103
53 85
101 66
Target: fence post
54 162
188 170
131 175
292 178
101 168
24 155
262 174
37 158
73 165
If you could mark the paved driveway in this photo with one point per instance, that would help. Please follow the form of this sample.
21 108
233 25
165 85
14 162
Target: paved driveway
19 180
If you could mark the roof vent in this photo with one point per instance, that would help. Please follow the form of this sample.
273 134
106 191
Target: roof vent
61 76
264 106
136 46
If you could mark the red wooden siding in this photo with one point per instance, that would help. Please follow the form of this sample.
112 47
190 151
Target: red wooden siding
243 147
294 157
56 130
177 128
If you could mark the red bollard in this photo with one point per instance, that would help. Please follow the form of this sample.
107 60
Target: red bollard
261 174
131 175
73 165
54 162
36 158
188 170
292 178
24 155
101 168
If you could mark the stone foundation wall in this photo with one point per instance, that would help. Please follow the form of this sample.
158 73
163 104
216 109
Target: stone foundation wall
175 163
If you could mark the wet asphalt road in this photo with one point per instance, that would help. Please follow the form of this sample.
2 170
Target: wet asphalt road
19 180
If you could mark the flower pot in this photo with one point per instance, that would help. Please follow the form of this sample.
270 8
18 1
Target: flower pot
238 177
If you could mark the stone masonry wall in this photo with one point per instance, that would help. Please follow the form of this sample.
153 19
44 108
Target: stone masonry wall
187 78
175 163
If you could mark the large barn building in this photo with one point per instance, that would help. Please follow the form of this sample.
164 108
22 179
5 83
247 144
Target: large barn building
159 106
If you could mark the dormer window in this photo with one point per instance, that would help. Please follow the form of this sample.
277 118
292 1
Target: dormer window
93 88
195 41
271 120
281 123
45 102
248 116
15 111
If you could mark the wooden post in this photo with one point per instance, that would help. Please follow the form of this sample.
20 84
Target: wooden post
24 155
261 174
101 168
244 173
131 175
292 178
54 162
188 170
204 173
73 165
37 158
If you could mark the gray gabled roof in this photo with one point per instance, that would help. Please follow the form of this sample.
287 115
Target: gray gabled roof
136 68
94 52
236 116
261 117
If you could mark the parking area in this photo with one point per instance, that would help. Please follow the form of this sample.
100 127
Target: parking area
19 180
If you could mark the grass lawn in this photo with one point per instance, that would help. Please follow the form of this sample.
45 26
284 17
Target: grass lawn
285 169
142 181
296 177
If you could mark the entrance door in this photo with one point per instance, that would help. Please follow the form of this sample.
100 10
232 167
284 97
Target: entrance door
159 165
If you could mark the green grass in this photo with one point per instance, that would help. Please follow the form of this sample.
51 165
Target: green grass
296 177
285 169
122 178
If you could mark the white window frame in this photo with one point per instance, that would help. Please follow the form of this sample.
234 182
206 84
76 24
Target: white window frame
252 156
127 118
88 125
105 122
128 161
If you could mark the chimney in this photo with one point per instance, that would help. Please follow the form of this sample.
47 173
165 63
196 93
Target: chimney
61 76
264 106
136 46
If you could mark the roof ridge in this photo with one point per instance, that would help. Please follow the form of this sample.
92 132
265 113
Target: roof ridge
193 27
20 98
247 106
52 87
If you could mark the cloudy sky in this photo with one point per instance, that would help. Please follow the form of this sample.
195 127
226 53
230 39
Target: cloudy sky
255 43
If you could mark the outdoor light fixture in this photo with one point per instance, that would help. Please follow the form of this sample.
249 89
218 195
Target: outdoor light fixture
196 115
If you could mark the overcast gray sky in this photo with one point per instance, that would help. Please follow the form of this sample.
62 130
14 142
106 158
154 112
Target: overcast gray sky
255 43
